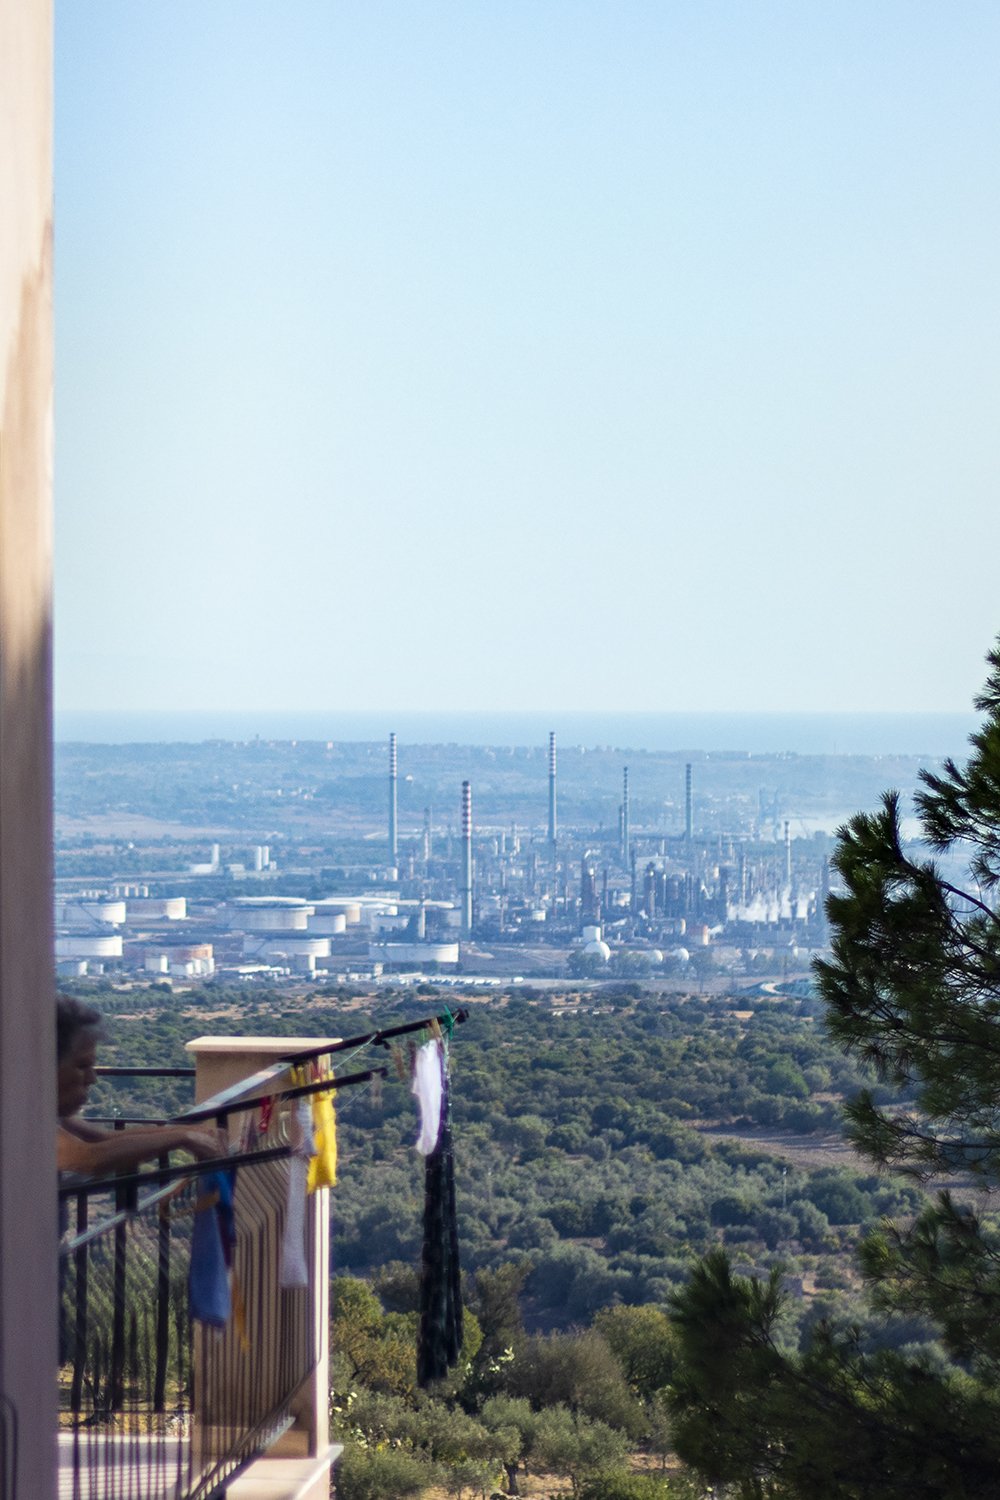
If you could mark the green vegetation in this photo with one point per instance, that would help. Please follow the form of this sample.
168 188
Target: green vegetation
602 1145
912 991
619 1151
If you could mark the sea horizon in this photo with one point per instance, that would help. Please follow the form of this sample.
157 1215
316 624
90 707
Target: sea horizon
934 735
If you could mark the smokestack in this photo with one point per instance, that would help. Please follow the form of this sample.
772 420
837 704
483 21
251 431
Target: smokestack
688 808
788 854
393 839
626 832
552 788
466 857
427 835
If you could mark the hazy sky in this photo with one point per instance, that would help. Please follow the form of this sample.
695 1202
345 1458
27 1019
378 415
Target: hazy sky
527 354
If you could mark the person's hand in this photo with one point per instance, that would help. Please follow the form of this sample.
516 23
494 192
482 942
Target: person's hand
206 1143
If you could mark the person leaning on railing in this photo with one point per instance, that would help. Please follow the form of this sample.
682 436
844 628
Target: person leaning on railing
86 1149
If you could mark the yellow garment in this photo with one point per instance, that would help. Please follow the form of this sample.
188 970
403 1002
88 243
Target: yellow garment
323 1166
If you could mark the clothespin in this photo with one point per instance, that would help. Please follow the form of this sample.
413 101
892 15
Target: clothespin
449 1021
435 1029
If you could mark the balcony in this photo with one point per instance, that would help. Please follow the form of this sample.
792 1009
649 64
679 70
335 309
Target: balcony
153 1404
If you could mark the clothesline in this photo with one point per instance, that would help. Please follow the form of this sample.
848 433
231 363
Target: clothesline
255 1085
448 1019
244 1106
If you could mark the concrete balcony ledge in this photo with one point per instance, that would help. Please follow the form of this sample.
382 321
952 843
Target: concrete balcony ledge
284 1473
275 1477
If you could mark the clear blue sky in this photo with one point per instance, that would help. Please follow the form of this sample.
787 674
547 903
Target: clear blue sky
638 354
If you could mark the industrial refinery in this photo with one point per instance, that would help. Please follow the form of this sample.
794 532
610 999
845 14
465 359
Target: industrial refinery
709 879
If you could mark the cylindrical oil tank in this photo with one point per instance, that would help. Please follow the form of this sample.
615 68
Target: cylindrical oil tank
349 910
270 915
184 952
414 953
332 922
85 913
394 921
157 908
372 910
89 945
290 944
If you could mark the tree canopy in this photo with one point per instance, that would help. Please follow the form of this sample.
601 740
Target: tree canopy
912 989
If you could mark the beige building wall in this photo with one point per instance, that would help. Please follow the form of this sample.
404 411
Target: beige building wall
28 1232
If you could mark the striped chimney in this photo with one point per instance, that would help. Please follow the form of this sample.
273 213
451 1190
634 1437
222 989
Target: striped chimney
393 778
466 857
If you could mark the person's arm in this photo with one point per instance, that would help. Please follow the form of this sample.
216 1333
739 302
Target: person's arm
94 1153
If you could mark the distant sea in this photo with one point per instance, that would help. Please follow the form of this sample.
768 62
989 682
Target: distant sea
931 735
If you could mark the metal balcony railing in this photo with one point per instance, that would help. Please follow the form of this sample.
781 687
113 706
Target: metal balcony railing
152 1406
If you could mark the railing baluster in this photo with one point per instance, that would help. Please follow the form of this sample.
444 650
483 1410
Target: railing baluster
81 1291
162 1303
116 1369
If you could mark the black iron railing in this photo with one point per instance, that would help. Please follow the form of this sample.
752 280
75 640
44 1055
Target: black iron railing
153 1405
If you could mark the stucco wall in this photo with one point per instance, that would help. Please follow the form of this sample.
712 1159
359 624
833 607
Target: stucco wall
27 1083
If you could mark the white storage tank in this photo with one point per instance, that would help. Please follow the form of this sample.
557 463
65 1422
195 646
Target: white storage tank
89 945
332 922
385 921
292 945
156 908
85 913
270 914
414 953
372 910
349 910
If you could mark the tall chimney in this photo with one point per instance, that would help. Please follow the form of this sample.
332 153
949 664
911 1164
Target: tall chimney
688 808
466 858
552 787
393 838
788 854
626 832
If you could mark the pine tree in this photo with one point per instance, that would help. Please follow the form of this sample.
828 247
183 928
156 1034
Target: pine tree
912 989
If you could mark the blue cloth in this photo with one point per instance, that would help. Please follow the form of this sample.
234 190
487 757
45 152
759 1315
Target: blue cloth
209 1294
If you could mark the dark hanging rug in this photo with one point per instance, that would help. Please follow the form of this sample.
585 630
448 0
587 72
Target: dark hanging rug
440 1340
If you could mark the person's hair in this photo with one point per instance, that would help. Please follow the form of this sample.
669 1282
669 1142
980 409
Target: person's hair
72 1017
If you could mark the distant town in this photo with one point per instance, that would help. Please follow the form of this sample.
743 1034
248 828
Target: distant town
399 863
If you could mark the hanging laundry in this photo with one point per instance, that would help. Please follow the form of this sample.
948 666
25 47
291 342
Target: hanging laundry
439 1341
294 1271
212 1241
323 1166
428 1078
